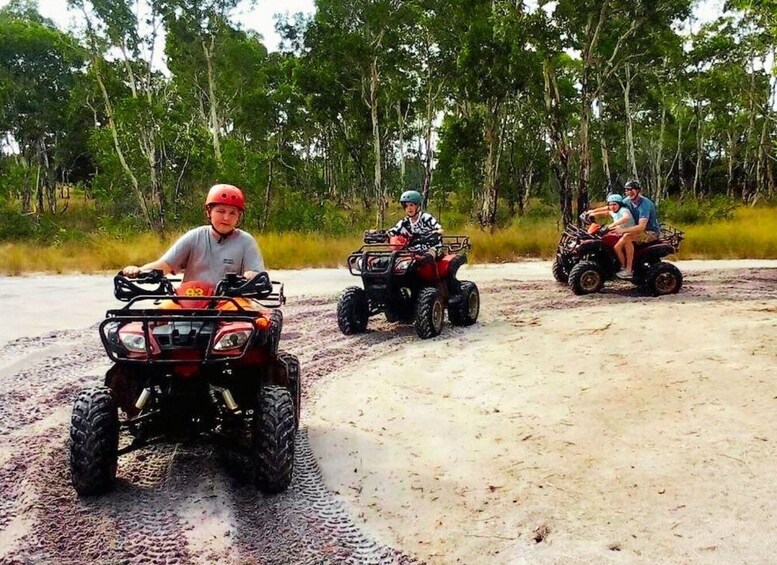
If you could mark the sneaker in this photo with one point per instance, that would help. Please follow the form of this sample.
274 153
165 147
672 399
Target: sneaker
624 274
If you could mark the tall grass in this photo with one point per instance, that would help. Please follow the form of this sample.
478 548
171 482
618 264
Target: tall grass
514 243
297 250
751 233
86 256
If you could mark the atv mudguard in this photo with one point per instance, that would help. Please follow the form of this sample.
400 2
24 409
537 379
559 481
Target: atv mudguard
445 267
652 251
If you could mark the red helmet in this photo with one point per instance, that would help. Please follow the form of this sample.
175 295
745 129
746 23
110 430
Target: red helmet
225 194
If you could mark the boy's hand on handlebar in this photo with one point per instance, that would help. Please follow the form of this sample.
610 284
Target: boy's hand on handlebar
131 271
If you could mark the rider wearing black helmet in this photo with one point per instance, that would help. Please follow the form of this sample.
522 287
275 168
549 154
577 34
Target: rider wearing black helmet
646 229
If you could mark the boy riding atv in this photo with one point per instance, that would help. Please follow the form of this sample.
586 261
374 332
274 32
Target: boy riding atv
409 273
200 360
419 228
208 253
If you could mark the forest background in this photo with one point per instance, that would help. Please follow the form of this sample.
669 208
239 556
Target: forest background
510 118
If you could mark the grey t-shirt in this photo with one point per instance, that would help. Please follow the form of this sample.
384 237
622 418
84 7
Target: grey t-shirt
203 258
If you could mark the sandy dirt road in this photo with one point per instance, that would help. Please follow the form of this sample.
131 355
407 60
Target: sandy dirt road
535 436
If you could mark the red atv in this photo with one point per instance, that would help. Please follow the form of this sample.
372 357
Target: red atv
586 258
188 363
409 285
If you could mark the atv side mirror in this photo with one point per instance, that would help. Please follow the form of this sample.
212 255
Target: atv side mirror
430 239
235 285
262 283
380 236
125 289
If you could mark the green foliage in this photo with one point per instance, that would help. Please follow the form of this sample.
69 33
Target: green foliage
300 214
39 67
636 96
45 229
460 150
692 211
15 176
538 211
15 225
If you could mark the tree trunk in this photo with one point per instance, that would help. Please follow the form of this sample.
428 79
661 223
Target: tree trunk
761 186
38 187
381 197
592 60
267 190
746 188
401 133
631 152
49 179
658 159
156 197
559 147
586 99
606 161
584 170
492 136
524 191
767 140
699 150
681 162
26 190
153 207
214 122
730 138
120 153
426 181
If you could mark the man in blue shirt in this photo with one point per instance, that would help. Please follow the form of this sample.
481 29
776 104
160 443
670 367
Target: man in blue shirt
646 229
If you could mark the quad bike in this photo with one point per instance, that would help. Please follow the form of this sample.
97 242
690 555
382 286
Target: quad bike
191 363
586 259
408 285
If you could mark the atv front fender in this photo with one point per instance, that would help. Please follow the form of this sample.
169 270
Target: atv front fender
124 389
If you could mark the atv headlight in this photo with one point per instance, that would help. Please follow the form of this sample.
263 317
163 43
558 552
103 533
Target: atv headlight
232 340
402 265
233 336
132 338
355 264
111 333
133 342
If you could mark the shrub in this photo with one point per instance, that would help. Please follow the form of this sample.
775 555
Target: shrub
15 225
692 211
